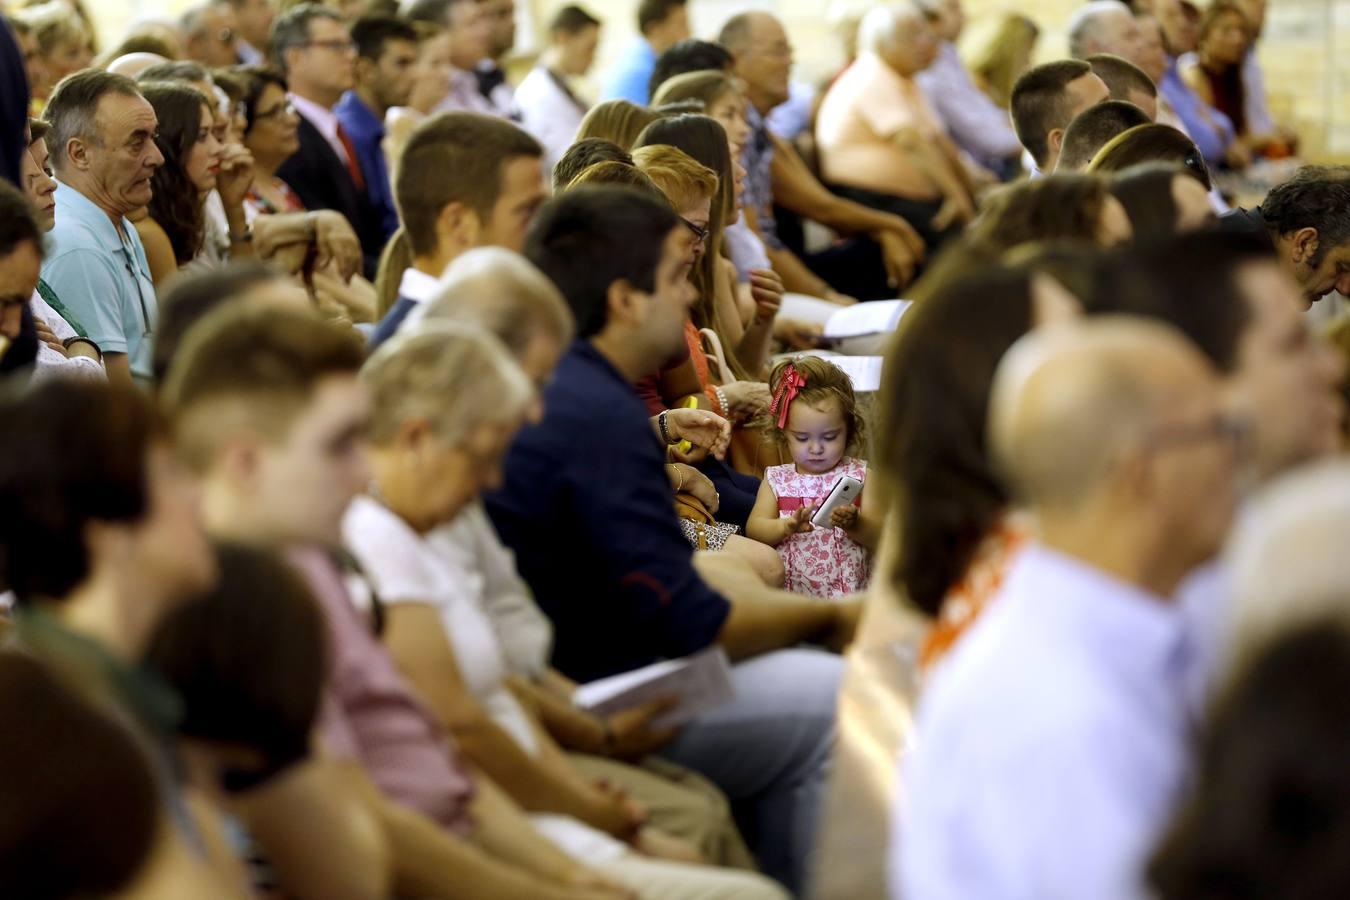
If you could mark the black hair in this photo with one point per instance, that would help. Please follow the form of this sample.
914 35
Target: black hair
688 55
572 19
654 12
80 810
1094 128
1190 282
18 224
52 488
584 154
371 33
190 297
249 659
1039 103
591 237
1316 197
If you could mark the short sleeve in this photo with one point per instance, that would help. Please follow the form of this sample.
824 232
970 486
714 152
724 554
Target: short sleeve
389 553
88 284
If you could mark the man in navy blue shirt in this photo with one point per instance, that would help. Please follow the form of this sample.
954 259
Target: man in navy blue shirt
386 51
587 508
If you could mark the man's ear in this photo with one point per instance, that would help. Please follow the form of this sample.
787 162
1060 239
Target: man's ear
363 69
623 304
1303 245
1055 141
457 229
240 460
77 154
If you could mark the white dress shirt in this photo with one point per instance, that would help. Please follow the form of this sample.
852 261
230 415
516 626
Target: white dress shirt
549 111
1051 743
324 120
464 96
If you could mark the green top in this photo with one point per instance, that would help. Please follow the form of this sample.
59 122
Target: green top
97 674
55 303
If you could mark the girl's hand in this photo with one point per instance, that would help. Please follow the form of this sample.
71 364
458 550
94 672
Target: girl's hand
767 290
845 517
799 522
701 428
236 174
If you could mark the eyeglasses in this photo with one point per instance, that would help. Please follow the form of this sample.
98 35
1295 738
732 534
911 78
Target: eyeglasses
284 109
337 45
700 234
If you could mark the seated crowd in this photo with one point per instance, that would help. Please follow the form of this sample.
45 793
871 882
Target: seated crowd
363 409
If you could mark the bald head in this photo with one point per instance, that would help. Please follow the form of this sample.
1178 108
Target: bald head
133 64
761 57
1069 403
740 30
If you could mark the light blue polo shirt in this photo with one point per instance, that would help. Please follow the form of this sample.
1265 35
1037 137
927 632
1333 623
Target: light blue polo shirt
103 278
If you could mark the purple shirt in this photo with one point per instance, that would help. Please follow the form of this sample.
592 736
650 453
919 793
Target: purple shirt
371 716
973 120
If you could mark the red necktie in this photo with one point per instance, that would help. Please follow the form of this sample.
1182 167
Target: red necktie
353 164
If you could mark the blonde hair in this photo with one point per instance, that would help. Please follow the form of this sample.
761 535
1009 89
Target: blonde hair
617 121
54 25
824 382
454 375
704 86
998 51
504 293
684 181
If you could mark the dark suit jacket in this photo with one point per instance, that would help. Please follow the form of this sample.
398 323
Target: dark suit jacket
321 181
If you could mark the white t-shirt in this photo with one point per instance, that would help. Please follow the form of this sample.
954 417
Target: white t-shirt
51 364
405 567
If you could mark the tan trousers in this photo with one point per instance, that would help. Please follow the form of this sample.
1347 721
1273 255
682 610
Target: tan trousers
658 880
681 802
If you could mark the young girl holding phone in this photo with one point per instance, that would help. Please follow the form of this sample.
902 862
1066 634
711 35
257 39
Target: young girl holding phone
815 417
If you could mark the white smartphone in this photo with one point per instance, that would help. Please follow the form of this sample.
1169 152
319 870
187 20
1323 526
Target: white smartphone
844 492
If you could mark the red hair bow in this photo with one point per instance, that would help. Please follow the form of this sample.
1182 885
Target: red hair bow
788 388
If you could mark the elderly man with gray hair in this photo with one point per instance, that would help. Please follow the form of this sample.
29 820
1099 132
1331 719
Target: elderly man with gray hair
880 142
1053 741
102 144
1105 26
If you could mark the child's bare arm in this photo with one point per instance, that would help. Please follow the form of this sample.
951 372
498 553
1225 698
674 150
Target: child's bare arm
764 524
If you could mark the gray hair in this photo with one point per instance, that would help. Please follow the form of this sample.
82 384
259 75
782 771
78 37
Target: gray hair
503 292
879 27
1084 24
291 29
454 375
1287 565
72 111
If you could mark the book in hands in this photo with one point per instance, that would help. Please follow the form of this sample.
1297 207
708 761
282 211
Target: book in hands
698 683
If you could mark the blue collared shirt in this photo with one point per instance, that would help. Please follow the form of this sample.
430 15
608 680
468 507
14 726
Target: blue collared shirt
628 80
1211 130
758 160
974 121
103 278
586 507
1051 743
366 132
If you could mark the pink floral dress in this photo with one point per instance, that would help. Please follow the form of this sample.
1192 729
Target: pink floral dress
823 562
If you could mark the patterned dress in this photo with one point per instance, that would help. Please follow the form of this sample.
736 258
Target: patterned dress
823 562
